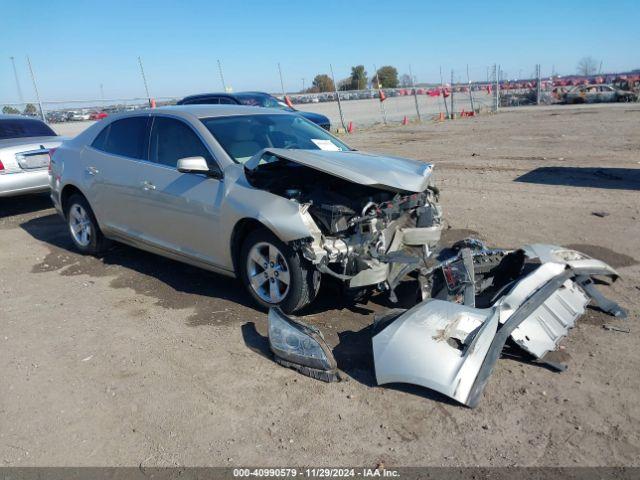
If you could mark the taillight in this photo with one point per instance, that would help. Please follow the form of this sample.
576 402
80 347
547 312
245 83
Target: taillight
1 166
51 152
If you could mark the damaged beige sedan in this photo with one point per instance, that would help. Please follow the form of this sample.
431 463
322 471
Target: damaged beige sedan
255 193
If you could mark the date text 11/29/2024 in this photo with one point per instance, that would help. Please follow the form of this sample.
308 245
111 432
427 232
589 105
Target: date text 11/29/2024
315 472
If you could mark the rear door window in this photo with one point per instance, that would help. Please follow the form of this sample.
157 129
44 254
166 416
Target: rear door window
126 137
205 101
22 128
172 140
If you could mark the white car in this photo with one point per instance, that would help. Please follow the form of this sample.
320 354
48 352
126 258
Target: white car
25 144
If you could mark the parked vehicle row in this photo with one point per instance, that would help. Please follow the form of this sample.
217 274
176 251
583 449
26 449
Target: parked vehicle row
60 116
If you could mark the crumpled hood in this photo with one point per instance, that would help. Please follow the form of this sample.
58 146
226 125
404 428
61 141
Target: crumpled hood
392 173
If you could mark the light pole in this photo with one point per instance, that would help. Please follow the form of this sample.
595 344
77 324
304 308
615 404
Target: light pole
224 85
35 87
144 79
281 82
15 74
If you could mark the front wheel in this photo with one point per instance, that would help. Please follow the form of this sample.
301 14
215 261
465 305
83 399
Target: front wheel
275 274
83 227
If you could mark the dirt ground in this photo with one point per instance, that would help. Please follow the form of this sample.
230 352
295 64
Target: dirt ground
136 360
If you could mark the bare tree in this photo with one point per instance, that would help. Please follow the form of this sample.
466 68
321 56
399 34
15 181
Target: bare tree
587 66
405 80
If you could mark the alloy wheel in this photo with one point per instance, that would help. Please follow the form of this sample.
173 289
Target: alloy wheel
268 272
80 225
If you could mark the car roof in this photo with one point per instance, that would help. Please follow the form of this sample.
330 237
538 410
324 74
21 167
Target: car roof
223 94
206 111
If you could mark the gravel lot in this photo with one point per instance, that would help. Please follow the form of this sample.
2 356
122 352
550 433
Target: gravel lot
136 360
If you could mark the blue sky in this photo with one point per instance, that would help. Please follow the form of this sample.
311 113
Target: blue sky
77 45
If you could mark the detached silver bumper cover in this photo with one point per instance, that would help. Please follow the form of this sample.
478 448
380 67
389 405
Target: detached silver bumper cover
452 348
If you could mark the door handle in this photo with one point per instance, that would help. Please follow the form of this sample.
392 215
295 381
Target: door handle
148 186
92 170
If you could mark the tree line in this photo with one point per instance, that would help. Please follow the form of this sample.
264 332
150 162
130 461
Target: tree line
30 110
384 77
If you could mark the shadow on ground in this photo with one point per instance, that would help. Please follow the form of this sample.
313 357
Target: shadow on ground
610 178
12 206
354 358
172 284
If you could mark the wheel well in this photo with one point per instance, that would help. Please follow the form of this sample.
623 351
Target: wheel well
240 232
67 191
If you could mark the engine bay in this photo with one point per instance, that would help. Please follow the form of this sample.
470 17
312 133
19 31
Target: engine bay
361 226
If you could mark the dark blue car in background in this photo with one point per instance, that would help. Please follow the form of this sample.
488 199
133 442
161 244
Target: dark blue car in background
256 99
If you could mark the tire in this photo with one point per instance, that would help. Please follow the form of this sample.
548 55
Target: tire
83 227
263 249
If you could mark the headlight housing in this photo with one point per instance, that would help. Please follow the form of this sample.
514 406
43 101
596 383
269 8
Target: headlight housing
301 347
566 255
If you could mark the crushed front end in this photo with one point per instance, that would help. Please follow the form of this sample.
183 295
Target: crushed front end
365 235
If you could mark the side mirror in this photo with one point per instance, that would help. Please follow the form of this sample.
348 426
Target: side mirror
196 165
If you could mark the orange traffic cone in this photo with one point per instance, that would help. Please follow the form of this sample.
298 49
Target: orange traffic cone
383 97
350 128
287 100
405 120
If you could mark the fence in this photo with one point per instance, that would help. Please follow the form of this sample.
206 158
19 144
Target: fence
359 107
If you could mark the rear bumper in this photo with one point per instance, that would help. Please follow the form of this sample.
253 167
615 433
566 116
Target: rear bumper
55 199
20 183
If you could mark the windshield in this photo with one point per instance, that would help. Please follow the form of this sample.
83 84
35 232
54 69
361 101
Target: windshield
243 136
262 100
21 128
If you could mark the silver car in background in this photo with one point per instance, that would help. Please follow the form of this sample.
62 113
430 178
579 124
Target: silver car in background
24 155
256 193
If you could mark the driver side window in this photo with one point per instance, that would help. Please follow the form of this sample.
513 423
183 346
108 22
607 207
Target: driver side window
172 140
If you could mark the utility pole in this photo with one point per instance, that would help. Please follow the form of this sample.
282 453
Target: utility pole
470 94
281 82
224 85
335 88
15 74
382 109
144 79
415 94
444 100
496 96
102 94
453 115
303 85
538 86
35 87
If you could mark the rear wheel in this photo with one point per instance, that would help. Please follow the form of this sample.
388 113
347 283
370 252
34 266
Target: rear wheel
83 227
275 274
